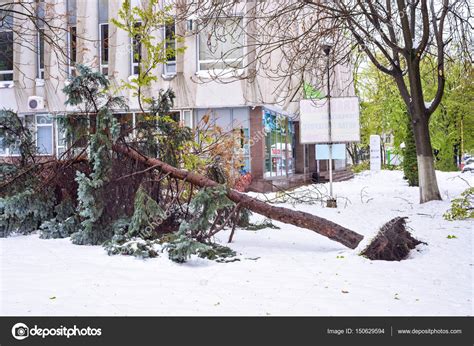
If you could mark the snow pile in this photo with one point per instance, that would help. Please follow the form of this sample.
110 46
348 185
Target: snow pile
287 271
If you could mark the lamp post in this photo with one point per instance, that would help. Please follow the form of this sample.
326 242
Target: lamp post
331 202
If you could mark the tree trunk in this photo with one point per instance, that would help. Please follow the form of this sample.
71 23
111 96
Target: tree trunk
424 154
420 118
297 218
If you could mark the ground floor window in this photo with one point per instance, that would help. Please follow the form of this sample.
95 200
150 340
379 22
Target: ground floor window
61 139
44 134
280 143
245 149
10 149
235 121
131 124
187 118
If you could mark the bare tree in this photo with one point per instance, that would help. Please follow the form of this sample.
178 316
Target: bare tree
284 40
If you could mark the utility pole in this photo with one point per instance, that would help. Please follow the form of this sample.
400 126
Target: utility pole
331 202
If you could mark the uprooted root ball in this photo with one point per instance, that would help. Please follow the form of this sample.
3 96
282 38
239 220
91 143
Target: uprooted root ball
392 243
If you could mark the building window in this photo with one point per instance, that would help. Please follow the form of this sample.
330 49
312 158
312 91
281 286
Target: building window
221 45
136 52
104 36
279 145
170 49
40 39
6 47
72 51
241 125
71 9
9 150
61 140
187 118
243 144
3 147
235 121
104 48
127 125
71 36
44 134
40 55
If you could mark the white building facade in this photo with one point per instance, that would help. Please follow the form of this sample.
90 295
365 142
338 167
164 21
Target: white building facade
33 74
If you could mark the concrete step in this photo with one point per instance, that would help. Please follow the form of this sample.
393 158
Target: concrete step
340 175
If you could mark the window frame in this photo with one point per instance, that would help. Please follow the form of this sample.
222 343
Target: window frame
103 67
284 161
170 62
71 68
7 152
51 125
8 29
134 64
226 68
56 139
40 52
183 119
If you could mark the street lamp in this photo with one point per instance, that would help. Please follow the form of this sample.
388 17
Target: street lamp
331 202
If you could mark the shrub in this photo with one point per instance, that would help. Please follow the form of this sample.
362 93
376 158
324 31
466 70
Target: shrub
363 166
463 207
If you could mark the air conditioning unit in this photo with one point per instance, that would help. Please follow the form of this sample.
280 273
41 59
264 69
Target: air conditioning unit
35 103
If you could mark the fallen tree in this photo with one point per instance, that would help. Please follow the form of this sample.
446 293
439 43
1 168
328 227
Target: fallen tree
314 223
121 196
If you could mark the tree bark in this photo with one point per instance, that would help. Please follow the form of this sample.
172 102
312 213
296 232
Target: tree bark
424 155
420 117
314 223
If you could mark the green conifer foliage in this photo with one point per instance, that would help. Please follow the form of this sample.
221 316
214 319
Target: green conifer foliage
193 236
147 215
183 245
22 208
63 224
25 211
90 91
122 243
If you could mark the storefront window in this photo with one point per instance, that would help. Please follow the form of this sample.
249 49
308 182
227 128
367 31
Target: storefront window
279 145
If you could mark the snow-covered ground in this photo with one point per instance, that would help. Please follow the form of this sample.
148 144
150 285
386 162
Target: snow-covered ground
289 271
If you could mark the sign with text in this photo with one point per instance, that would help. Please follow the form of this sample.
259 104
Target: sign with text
375 153
314 122
338 152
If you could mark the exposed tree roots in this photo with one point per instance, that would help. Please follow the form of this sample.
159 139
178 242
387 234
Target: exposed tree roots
392 243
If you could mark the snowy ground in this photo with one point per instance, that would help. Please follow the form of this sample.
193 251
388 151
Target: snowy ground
297 271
